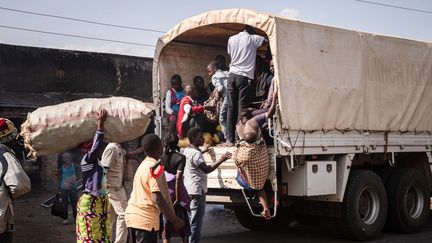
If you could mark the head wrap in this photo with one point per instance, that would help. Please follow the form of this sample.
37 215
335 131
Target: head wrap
8 131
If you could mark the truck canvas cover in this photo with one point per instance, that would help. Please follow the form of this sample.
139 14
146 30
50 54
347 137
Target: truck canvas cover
329 78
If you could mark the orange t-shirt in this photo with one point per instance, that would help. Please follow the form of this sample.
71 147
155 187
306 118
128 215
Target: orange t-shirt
141 212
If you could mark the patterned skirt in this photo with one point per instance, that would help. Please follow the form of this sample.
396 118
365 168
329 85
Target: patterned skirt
92 222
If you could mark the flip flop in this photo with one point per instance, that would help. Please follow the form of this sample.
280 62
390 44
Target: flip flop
265 215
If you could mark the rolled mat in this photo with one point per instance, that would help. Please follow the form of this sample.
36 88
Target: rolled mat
57 128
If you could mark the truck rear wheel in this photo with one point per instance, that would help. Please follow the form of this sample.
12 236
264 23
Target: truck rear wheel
283 219
408 201
364 208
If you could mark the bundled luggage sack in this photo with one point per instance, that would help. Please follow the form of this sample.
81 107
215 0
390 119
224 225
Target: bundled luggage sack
57 128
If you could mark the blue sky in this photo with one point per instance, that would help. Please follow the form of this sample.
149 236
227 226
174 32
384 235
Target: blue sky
162 15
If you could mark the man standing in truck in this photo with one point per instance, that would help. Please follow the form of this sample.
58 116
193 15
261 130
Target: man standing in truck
242 49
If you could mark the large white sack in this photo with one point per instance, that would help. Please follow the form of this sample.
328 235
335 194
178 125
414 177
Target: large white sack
57 128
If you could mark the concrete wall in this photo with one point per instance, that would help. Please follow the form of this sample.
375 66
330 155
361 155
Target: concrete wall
36 70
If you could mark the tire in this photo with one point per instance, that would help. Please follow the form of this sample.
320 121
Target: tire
385 174
364 208
409 201
283 219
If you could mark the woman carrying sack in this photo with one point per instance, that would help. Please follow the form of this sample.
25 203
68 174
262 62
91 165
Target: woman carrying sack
93 206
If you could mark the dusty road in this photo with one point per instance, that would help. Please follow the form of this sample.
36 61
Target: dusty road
35 224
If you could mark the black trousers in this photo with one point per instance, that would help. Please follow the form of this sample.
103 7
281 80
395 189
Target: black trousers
195 121
142 236
240 94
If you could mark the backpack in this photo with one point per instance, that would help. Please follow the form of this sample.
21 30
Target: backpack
212 116
19 183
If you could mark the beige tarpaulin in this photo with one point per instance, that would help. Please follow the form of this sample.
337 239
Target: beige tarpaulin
329 78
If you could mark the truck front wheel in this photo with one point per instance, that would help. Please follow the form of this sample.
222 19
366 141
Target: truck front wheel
364 208
408 200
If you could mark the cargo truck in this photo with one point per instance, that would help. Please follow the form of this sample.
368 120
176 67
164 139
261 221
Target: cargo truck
352 133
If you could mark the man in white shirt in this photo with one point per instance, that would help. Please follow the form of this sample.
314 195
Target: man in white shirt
114 159
195 180
242 49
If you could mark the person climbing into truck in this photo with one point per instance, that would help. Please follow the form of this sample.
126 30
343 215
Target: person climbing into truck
242 49
196 171
172 100
252 157
253 170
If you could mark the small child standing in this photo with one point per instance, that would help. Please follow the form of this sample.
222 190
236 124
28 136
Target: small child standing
68 183
219 80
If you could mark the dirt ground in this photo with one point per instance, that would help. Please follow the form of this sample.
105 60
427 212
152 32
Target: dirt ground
36 224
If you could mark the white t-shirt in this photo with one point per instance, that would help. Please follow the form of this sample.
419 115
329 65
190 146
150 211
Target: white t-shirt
168 102
242 49
195 179
219 80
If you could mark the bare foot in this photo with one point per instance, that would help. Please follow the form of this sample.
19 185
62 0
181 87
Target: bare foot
266 213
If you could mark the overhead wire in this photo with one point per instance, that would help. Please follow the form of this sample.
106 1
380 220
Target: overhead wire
76 36
394 6
82 20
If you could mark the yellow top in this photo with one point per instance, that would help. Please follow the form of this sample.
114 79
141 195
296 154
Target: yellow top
141 212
